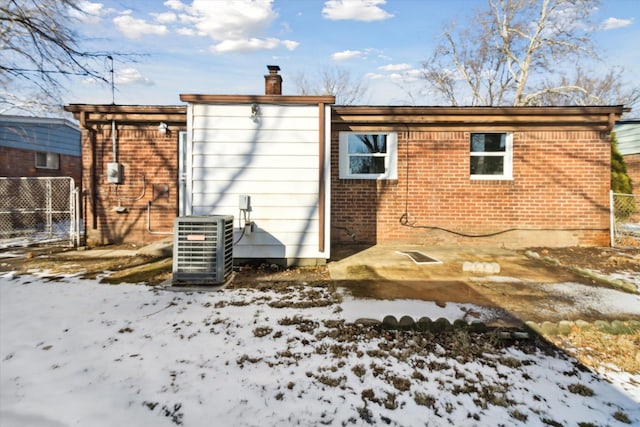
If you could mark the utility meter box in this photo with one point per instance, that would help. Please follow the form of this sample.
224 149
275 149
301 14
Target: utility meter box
244 201
114 173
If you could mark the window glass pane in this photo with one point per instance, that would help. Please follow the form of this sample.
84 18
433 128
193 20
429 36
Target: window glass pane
366 164
487 165
53 160
488 142
366 143
41 160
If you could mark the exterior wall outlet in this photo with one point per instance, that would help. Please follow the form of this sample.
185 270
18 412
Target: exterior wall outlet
248 228
114 173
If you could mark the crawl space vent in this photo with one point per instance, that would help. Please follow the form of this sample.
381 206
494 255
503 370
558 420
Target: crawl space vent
419 257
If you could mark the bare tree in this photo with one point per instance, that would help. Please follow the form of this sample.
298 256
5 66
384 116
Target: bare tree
38 50
517 52
336 82
589 87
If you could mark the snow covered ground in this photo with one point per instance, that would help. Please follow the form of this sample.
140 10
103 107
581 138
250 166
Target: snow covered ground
77 353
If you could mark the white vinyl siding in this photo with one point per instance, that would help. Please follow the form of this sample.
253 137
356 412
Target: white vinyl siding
628 136
274 160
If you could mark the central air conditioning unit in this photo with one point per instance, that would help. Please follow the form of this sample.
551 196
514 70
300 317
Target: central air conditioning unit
202 250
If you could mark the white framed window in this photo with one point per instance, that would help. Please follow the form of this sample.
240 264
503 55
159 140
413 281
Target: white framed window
47 160
370 155
491 156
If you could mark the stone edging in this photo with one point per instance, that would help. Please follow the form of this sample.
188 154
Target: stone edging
563 327
425 324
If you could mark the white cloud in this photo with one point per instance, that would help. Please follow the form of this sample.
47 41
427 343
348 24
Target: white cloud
175 5
252 44
133 28
374 76
88 12
235 20
290 44
357 10
131 76
183 31
346 54
239 25
395 67
165 18
613 23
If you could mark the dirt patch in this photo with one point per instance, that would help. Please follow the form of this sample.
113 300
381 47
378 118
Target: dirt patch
124 267
133 268
249 275
605 260
439 291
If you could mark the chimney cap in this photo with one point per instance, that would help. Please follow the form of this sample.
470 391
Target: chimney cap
273 69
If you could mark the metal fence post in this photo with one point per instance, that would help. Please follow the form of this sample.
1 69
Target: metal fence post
612 219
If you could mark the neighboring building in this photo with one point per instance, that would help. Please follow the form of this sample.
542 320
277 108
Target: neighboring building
39 147
306 174
628 136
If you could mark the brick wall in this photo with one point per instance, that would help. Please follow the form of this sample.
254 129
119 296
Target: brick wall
558 197
633 169
118 213
15 162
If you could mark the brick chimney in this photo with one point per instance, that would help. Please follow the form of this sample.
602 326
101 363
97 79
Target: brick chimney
273 81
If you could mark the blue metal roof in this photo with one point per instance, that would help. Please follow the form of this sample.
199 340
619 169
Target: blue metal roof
40 134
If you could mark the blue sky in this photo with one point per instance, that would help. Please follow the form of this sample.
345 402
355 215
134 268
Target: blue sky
223 46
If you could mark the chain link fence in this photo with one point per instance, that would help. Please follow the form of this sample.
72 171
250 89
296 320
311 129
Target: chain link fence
38 210
625 220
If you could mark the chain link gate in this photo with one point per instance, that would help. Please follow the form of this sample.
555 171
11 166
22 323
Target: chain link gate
38 210
625 220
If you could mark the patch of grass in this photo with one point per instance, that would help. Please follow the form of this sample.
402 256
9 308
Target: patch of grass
424 399
622 417
390 401
553 423
377 370
246 358
494 394
302 324
461 344
519 416
511 362
368 394
331 381
417 375
581 390
399 383
437 366
359 370
377 354
262 331
331 323
595 348
464 389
